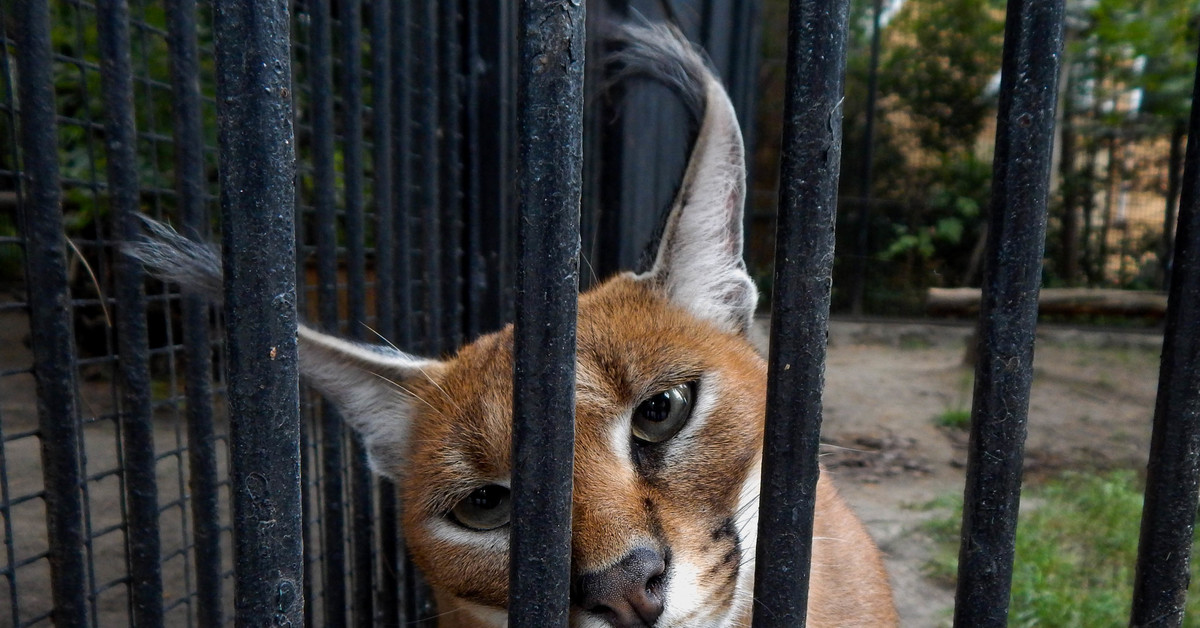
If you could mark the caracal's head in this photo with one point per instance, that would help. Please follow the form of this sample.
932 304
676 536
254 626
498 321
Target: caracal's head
668 423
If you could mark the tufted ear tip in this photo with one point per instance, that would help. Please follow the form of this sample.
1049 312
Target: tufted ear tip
699 262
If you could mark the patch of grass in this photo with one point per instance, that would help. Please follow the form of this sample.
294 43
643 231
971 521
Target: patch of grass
958 415
956 418
1076 549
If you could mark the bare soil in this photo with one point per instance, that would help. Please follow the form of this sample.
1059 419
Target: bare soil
1092 404
1091 408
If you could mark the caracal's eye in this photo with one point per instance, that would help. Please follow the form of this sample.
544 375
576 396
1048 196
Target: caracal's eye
662 415
486 508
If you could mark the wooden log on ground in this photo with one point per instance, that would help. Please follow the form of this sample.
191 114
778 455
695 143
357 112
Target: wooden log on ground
1068 301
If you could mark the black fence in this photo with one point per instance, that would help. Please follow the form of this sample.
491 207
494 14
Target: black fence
393 129
403 128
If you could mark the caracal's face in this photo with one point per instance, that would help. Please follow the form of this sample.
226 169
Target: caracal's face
668 419
691 497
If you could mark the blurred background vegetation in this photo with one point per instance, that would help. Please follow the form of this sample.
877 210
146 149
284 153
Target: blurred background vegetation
923 176
914 194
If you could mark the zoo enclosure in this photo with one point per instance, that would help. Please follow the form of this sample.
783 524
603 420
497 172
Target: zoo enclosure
442 142
405 126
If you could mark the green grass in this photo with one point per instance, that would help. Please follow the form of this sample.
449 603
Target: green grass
957 418
958 415
1076 548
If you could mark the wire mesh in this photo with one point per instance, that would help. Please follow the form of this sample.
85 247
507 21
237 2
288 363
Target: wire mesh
405 212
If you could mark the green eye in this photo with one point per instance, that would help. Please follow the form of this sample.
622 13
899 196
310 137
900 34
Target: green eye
486 508
663 414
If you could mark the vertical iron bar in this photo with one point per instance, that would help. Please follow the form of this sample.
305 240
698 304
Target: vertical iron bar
137 429
1166 251
743 80
426 203
393 598
333 518
362 529
382 87
50 316
404 199
809 170
550 114
450 176
422 208
867 169
1173 473
257 165
510 185
427 199
475 283
382 165
352 149
191 186
609 129
1033 43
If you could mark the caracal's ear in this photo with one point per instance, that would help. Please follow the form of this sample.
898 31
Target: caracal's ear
699 262
370 385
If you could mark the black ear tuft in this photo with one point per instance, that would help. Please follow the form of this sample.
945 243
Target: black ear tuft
699 261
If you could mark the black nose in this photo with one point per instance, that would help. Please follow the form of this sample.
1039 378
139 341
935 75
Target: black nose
628 594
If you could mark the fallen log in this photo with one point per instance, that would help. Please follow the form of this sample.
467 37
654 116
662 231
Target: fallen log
1068 301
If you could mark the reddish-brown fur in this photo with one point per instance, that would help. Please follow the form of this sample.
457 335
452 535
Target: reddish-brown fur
442 429
632 343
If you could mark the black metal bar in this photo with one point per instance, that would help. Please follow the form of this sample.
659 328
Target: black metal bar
451 172
256 142
50 317
1173 473
382 165
403 92
191 186
396 306
867 169
605 182
1166 251
426 200
362 529
382 88
1008 316
475 284
804 241
550 122
744 82
352 177
137 428
333 518
423 207
507 187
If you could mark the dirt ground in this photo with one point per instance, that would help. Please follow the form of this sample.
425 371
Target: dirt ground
1091 408
1092 404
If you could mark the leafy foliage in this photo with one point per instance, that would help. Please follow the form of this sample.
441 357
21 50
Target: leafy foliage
941 55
